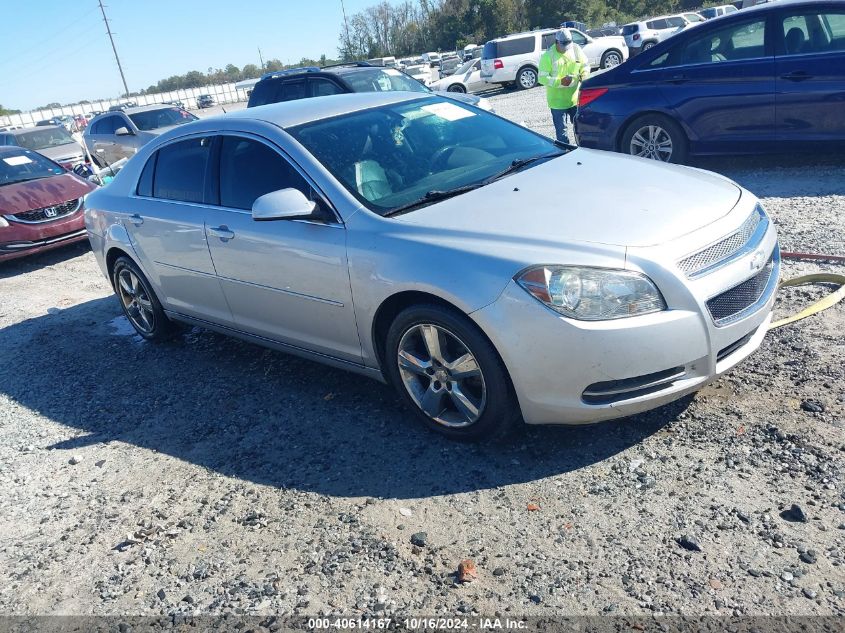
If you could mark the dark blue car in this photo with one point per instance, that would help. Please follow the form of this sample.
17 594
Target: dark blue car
768 78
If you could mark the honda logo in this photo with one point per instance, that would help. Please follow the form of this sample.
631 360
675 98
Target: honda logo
51 212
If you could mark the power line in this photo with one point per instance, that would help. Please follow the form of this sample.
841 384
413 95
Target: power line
114 48
19 54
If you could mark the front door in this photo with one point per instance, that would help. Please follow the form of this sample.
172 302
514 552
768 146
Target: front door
811 74
286 280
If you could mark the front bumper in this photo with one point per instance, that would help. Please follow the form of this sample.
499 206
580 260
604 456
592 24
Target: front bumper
577 372
19 240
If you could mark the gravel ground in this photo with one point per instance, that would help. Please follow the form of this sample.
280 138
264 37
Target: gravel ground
208 475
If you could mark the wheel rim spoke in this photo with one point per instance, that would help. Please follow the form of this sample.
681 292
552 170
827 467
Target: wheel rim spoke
464 367
463 404
432 401
431 339
125 285
413 363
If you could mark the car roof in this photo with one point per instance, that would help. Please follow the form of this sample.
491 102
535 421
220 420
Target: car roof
40 128
523 34
292 113
146 108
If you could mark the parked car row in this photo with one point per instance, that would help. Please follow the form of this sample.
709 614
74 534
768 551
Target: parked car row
766 78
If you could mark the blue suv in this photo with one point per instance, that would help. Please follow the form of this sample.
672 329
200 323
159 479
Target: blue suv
768 78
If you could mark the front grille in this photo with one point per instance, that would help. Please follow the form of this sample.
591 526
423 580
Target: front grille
47 214
611 391
735 303
714 255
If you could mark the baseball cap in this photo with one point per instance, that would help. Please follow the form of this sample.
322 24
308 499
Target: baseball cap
563 36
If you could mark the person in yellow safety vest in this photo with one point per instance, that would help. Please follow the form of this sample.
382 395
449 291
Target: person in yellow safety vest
562 69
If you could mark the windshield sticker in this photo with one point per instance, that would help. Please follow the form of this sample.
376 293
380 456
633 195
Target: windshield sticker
448 111
16 161
392 72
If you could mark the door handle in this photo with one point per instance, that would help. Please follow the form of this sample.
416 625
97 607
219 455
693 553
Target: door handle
678 79
798 75
136 219
222 232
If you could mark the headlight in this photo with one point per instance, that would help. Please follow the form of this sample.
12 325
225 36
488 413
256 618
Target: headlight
592 294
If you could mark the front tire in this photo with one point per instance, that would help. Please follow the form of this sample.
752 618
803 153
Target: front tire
449 374
456 88
526 78
138 301
656 137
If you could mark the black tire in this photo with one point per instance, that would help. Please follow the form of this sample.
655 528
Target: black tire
668 128
526 78
648 45
160 327
611 58
456 88
498 413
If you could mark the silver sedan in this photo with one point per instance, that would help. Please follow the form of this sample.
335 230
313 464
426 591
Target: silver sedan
490 274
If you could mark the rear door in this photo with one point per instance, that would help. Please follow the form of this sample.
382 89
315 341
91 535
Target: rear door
286 280
720 83
167 229
811 73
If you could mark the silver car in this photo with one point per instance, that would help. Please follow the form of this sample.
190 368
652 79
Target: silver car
119 134
487 272
52 141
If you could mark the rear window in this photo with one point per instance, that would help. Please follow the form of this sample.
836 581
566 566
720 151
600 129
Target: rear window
489 51
507 48
630 29
712 12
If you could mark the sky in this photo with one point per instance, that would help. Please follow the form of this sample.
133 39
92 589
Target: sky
58 50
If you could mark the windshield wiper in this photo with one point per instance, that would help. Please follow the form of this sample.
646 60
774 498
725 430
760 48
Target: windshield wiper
519 163
434 196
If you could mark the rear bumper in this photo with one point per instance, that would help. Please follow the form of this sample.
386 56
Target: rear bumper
597 130
499 76
19 240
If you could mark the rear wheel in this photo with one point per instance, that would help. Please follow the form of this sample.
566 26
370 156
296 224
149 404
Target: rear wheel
456 88
138 301
656 137
450 374
649 45
526 78
611 58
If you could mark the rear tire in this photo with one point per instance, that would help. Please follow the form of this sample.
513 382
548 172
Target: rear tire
610 59
449 374
139 303
657 137
456 88
526 78
649 45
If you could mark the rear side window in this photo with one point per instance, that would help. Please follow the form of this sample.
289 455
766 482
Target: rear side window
730 43
657 25
180 170
548 40
291 90
323 87
518 46
814 32
249 169
145 182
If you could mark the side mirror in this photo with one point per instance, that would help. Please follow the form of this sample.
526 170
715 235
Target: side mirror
285 204
124 131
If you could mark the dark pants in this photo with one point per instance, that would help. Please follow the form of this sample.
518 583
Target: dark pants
564 121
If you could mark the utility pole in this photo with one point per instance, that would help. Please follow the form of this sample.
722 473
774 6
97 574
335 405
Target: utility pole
346 27
261 59
111 39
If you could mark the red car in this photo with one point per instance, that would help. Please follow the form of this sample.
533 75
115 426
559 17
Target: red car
40 203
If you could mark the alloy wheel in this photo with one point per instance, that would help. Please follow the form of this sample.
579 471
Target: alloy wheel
527 78
136 302
441 375
652 141
611 60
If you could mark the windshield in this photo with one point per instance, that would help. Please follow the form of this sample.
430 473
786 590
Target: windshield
709 13
397 155
382 80
465 67
162 117
23 165
44 138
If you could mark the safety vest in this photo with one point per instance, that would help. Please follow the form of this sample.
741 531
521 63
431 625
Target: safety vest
554 66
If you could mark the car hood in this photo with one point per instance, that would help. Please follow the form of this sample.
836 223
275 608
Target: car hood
46 192
456 96
62 152
588 196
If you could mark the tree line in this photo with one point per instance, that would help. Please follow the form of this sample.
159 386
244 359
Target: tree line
416 26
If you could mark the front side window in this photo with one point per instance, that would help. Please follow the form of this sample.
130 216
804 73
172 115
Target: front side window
814 32
321 87
730 43
676 21
161 117
106 125
249 169
578 38
180 170
394 156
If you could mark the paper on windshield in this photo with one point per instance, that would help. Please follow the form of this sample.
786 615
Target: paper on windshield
392 71
448 111
17 161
